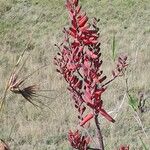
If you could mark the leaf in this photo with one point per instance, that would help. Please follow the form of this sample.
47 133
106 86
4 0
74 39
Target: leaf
144 146
113 48
133 102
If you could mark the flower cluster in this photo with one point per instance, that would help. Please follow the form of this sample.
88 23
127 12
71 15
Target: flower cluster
124 147
79 61
80 64
78 141
121 66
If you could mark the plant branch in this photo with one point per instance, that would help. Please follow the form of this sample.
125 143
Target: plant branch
109 81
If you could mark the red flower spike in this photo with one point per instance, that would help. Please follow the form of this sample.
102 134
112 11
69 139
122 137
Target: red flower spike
80 64
79 61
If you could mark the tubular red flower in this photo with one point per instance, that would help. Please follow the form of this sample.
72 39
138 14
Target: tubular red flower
78 141
86 119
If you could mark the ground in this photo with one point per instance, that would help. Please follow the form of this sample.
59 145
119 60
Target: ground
40 23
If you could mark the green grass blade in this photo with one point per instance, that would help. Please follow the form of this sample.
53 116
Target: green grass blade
114 48
133 102
144 146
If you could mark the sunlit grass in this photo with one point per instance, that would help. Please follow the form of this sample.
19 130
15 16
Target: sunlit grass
25 127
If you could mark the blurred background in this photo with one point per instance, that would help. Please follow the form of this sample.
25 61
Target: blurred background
40 23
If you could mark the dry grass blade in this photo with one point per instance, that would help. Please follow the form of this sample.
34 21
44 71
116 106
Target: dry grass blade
16 84
25 78
21 56
3 98
3 145
37 100
13 76
43 104
30 92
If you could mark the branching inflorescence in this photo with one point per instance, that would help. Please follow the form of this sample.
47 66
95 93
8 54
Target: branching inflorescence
79 61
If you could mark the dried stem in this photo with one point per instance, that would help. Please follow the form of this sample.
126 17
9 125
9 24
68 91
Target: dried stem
14 67
90 148
99 134
3 98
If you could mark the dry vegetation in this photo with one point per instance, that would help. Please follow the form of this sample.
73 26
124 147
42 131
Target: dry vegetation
41 22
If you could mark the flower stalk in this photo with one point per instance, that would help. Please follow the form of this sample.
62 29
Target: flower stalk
79 62
99 133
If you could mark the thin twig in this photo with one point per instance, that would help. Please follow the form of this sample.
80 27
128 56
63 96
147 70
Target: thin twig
25 78
137 118
21 56
38 101
120 106
109 81
90 148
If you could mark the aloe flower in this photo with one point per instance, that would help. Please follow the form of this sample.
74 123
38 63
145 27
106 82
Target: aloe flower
79 62
78 141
